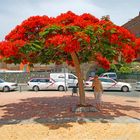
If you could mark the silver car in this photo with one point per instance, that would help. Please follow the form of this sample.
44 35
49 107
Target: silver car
37 84
110 84
7 86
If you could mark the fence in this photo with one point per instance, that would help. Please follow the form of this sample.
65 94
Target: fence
131 78
22 77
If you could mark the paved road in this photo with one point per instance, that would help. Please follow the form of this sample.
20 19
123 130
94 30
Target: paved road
133 93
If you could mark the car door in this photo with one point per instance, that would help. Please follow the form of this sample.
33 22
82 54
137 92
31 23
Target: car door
51 84
108 84
72 81
43 84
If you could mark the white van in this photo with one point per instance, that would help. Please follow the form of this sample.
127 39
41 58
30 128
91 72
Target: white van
69 78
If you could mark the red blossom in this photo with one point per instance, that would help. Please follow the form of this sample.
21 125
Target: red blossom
128 53
25 61
114 39
124 33
67 42
69 62
66 18
102 61
29 28
89 17
8 49
1 57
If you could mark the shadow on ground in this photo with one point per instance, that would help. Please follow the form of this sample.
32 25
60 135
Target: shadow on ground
58 110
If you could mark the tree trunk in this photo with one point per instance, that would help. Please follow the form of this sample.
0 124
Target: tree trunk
80 78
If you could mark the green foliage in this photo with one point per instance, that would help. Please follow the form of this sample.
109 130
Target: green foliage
54 29
34 46
73 29
114 68
90 32
100 71
113 30
121 68
135 66
12 60
125 69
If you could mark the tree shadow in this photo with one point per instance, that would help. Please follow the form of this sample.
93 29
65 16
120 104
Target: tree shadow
131 101
58 110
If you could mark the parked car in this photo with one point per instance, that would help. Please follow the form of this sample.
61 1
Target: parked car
138 85
7 86
37 84
111 75
110 84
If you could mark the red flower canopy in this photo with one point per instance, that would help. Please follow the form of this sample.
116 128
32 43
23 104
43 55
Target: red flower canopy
43 39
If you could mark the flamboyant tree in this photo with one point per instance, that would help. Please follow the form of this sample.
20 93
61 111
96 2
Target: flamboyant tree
72 38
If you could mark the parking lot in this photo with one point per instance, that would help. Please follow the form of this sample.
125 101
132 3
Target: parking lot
27 105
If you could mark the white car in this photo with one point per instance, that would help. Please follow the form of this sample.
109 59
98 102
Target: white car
7 86
110 84
137 85
37 84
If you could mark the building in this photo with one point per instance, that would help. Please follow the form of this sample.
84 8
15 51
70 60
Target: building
133 25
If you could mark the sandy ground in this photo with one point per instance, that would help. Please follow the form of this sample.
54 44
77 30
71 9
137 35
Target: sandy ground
71 131
25 106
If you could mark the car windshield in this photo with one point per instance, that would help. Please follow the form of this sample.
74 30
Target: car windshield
101 75
1 81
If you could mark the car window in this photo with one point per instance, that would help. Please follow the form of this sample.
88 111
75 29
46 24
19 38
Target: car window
112 75
105 75
34 80
101 75
44 80
102 79
71 77
61 76
1 81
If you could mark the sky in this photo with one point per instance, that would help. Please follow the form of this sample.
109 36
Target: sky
13 12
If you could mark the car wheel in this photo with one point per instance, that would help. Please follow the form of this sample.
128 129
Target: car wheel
6 89
36 88
61 88
125 89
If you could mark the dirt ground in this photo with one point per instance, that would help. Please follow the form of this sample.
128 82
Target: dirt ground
21 107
